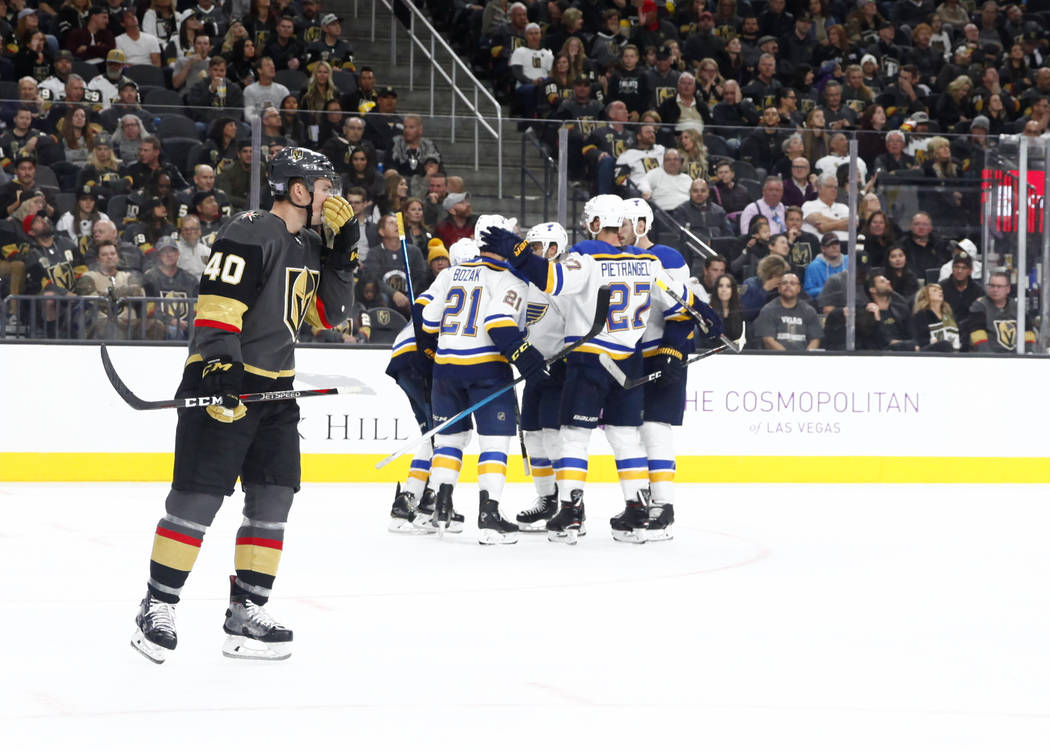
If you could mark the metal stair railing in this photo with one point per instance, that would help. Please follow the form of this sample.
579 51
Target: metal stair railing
458 69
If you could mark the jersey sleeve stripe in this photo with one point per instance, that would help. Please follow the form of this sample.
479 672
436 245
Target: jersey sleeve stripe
220 312
321 314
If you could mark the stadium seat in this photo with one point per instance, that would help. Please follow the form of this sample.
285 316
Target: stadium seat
178 151
294 80
162 100
344 80
46 176
386 323
716 145
116 208
754 187
87 71
173 125
8 90
745 171
64 202
149 75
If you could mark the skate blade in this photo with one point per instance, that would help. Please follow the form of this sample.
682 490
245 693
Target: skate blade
531 527
493 537
246 648
568 537
152 652
400 526
453 527
635 536
657 535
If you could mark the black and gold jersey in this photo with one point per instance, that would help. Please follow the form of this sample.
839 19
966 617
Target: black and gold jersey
260 285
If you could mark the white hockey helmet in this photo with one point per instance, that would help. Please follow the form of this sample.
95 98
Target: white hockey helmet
606 207
487 221
636 209
547 233
462 251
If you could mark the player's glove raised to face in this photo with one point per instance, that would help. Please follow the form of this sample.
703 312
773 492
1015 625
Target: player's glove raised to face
529 362
222 376
506 244
715 329
339 220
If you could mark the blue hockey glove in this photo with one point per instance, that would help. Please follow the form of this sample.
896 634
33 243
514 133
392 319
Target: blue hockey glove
506 244
529 362
715 329
669 361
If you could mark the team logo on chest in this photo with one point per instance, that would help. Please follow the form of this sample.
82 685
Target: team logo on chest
300 289
1006 334
534 311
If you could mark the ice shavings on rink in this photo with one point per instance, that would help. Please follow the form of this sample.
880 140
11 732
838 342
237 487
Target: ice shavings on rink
801 616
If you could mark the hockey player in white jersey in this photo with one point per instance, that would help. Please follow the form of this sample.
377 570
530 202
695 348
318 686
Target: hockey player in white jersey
590 393
413 504
474 323
540 401
664 397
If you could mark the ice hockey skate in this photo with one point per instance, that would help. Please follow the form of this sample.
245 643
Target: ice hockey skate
567 525
493 528
252 633
445 518
631 524
155 636
404 513
661 520
534 519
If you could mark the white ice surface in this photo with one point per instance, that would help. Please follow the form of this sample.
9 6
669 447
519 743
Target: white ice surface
781 617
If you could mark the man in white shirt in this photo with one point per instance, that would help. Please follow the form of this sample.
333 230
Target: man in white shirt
839 155
646 155
108 83
667 186
824 214
530 65
265 92
193 254
769 206
139 47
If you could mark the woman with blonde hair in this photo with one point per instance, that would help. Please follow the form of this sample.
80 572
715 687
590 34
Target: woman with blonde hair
580 66
694 152
934 325
953 106
103 169
814 138
161 21
318 92
233 34
709 82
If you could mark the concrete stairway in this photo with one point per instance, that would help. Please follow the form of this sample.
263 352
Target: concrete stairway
413 88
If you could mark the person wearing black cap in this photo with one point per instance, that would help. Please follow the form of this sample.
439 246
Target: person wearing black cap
167 280
127 103
383 123
91 42
308 23
77 222
827 264
206 207
775 21
12 194
62 67
330 46
662 78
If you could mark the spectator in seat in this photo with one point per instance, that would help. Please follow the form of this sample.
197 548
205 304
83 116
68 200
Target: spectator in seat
138 46
386 263
117 320
754 247
827 264
191 67
895 159
880 236
628 84
366 97
727 192
363 174
209 96
646 154
961 291
933 324
203 180
265 92
694 154
903 279
702 215
168 280
769 206
825 214
530 65
315 97
416 232
383 123
437 259
668 187
685 110
884 321
725 299
339 148
713 267
410 149
733 111
802 246
762 147
161 20
433 201
92 42
763 287
801 186
61 69
925 249
206 207
458 222
815 139
786 323
364 210
149 163
240 63
991 322
78 222
837 156
23 187
330 47
22 139
105 231
235 180
193 254
126 103
286 51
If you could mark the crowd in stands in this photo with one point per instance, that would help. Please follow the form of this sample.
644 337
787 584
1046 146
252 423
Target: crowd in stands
733 118
125 126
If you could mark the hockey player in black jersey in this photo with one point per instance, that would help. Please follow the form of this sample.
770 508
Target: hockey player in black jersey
267 274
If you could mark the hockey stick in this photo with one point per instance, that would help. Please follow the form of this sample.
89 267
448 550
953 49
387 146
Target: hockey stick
735 347
629 383
521 438
206 401
601 312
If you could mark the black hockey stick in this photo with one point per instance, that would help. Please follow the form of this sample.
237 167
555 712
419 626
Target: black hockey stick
729 343
207 401
630 383
601 312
